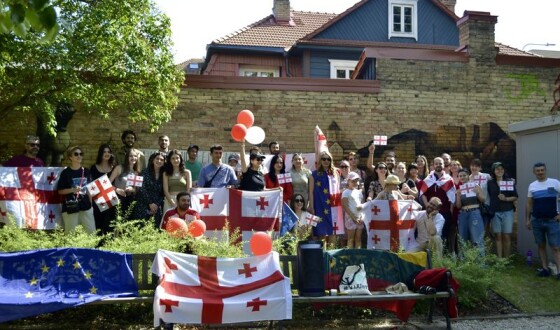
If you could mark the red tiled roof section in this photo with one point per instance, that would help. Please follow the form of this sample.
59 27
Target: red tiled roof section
266 33
508 50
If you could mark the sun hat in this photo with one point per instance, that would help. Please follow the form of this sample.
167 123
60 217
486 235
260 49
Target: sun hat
392 179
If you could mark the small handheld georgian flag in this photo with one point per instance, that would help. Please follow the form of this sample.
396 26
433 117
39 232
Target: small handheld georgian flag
467 189
311 219
480 179
380 140
506 185
103 193
133 180
284 178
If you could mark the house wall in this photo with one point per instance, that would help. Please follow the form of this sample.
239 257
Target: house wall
424 107
228 64
320 66
369 23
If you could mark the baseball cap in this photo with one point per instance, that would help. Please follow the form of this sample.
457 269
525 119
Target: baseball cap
353 176
257 156
193 146
233 157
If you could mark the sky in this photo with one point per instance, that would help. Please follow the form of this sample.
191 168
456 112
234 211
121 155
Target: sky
197 23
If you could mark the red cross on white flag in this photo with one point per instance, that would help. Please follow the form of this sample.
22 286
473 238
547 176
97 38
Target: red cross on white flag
480 179
380 140
103 193
467 189
507 185
133 180
390 224
246 210
311 219
203 290
29 195
284 178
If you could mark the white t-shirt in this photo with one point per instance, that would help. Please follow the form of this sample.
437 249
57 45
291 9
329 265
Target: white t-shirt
354 197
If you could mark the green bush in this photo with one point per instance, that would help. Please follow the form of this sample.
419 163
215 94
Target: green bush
475 272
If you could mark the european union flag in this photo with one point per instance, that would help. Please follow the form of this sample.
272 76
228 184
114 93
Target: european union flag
44 281
289 219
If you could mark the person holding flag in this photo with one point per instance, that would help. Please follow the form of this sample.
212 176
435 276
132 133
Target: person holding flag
439 184
324 199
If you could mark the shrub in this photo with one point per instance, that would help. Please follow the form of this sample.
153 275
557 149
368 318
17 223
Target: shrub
475 272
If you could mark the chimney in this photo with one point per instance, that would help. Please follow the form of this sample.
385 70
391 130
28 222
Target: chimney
476 35
450 4
281 12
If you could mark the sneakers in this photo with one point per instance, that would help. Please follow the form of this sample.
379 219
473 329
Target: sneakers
543 272
553 269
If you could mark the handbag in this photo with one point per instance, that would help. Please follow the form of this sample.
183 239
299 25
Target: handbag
208 184
486 211
73 204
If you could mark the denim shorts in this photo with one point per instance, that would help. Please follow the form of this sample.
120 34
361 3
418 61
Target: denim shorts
544 229
502 222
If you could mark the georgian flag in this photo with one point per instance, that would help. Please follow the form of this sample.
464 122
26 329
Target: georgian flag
284 178
390 224
29 195
310 219
207 290
507 185
103 193
133 180
467 189
247 210
445 182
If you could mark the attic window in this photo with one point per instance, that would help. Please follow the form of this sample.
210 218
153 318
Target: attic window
403 21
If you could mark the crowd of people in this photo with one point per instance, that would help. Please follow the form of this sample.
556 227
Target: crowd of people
459 202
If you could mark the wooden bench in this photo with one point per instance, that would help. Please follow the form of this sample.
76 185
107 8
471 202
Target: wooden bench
147 282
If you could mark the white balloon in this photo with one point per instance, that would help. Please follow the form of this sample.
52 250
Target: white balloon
255 135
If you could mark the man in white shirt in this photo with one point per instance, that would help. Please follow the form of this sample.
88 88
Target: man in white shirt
429 224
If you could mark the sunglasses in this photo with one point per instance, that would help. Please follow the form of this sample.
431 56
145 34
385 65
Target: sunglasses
279 162
78 154
33 144
327 159
298 200
381 168
344 166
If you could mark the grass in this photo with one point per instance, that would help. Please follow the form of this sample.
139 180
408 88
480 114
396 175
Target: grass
531 294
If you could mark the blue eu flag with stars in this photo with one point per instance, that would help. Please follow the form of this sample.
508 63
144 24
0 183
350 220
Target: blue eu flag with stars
289 219
44 281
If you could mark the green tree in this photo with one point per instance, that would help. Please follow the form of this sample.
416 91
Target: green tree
19 16
107 56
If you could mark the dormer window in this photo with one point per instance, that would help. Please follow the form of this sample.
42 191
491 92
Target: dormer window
403 20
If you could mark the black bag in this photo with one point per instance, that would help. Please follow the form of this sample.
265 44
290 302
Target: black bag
208 184
72 206
486 211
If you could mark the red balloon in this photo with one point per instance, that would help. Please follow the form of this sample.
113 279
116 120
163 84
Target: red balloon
197 228
238 132
246 118
177 228
260 243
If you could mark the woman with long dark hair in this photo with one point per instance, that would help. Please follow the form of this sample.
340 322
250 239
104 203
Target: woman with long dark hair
118 178
377 185
175 179
104 165
149 198
271 179
502 194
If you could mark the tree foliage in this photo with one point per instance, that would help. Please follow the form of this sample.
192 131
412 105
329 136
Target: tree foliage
107 56
19 16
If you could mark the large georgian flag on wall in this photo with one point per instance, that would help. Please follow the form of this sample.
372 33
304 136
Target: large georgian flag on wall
247 210
391 224
29 195
207 290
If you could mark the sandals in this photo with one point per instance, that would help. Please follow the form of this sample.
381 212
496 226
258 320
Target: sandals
426 289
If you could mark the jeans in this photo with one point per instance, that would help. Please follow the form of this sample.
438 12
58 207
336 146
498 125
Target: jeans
471 227
502 222
544 229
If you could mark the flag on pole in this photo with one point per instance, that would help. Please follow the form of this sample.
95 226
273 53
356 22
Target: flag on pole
103 193
29 195
289 219
205 290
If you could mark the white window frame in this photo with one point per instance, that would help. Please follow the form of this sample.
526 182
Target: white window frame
259 70
403 4
342 65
